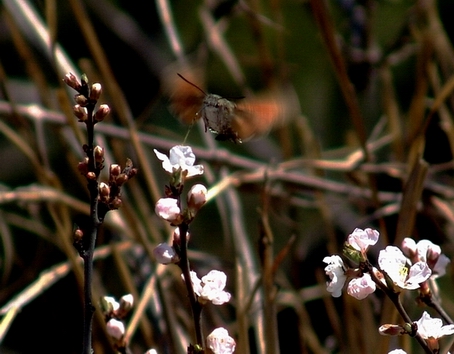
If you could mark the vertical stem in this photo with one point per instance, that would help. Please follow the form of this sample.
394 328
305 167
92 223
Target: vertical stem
90 242
89 308
184 265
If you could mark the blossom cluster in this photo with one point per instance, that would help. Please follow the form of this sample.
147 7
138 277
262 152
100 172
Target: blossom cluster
408 268
180 166
405 269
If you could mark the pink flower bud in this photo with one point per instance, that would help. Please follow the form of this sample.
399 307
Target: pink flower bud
80 112
121 179
168 209
126 304
78 235
104 191
99 154
82 100
102 112
165 254
115 328
115 170
71 80
391 330
197 197
95 91
83 167
91 175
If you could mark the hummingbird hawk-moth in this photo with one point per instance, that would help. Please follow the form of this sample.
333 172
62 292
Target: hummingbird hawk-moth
230 121
218 114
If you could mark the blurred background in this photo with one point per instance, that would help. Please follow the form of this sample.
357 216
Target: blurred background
345 109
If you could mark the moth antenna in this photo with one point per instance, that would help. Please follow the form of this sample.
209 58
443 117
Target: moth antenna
190 83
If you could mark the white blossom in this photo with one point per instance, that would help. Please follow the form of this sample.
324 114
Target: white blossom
397 351
210 287
336 272
429 327
392 261
220 342
180 156
360 288
361 239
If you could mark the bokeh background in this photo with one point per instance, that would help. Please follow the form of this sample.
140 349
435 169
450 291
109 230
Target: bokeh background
363 137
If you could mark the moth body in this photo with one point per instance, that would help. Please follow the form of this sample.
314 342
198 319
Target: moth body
217 114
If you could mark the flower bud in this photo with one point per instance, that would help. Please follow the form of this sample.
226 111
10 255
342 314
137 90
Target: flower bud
78 235
95 91
391 330
99 154
91 175
197 197
109 305
115 170
121 179
115 328
165 254
104 191
84 79
126 304
168 209
83 167
71 80
102 113
81 100
80 112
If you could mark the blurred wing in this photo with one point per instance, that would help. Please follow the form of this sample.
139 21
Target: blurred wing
185 99
256 116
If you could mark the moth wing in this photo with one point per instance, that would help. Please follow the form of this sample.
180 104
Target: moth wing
256 116
185 99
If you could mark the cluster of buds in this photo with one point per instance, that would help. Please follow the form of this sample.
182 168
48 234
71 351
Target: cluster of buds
110 193
86 99
114 312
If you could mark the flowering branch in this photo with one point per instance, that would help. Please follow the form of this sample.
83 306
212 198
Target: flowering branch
180 166
398 272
